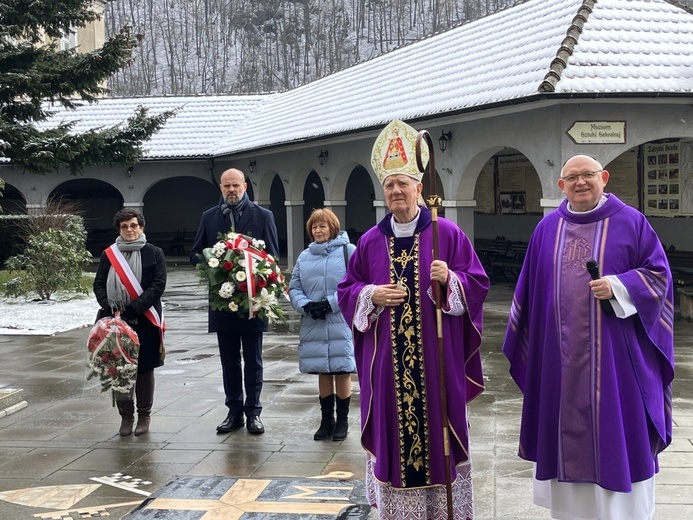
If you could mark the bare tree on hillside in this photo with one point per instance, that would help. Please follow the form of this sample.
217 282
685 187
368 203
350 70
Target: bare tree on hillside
241 46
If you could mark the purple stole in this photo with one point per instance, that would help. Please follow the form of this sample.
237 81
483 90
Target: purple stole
579 349
408 362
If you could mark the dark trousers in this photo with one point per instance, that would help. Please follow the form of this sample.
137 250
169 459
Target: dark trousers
236 379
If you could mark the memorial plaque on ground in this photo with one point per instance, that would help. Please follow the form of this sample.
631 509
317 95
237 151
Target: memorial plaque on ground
237 498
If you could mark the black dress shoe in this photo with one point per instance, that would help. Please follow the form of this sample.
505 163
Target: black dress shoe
231 424
255 425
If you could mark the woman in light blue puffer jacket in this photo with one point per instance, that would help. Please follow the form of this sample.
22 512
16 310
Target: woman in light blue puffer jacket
325 347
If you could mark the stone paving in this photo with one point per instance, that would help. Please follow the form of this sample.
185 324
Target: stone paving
61 457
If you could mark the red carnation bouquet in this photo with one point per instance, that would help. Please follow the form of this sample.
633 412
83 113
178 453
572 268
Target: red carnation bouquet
113 351
243 278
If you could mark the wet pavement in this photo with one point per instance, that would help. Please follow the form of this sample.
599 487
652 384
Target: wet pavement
61 456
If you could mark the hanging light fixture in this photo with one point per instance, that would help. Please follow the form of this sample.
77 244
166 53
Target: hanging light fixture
444 139
322 157
251 166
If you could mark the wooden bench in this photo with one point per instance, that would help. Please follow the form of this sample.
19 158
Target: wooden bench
685 295
489 248
174 243
100 239
509 265
681 264
501 258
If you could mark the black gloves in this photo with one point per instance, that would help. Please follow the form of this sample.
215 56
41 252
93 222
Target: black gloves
129 314
324 309
320 310
317 310
311 309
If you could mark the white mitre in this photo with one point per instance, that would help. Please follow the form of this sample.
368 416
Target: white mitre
394 152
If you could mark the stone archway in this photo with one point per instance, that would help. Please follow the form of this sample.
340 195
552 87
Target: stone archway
12 202
508 193
313 198
359 211
426 180
277 199
656 177
172 209
97 202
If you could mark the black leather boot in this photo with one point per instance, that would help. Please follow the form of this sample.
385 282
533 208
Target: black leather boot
126 409
327 422
342 427
144 392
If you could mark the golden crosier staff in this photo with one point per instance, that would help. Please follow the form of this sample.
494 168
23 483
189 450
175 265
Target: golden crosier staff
434 202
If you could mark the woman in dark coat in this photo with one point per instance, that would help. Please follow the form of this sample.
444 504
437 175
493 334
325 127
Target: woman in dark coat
147 266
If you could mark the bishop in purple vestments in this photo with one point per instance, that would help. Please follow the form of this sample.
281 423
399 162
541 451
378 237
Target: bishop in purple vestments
387 298
596 385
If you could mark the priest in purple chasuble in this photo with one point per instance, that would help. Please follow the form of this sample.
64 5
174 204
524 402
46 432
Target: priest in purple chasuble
387 297
596 384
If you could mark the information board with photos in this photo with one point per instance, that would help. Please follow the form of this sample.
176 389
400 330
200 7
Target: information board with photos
668 178
519 188
518 185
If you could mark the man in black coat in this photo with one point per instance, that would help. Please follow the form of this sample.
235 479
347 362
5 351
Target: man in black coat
237 212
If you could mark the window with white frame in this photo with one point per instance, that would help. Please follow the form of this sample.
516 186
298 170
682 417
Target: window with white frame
69 41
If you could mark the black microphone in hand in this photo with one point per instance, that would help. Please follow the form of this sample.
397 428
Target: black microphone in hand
593 269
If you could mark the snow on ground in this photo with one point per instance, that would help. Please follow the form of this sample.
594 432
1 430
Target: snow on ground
21 316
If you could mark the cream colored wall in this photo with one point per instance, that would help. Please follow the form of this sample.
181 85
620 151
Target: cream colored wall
93 35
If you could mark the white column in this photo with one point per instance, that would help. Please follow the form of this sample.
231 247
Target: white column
549 204
461 212
380 210
294 230
137 206
35 209
338 207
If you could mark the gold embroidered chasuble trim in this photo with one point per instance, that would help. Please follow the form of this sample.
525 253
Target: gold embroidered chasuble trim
407 356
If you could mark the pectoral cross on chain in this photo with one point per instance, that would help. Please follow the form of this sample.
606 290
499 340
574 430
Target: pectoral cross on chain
403 259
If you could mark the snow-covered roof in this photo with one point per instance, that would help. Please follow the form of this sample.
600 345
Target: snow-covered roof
557 47
199 123
632 46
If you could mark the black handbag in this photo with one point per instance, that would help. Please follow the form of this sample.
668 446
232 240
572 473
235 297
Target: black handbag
101 313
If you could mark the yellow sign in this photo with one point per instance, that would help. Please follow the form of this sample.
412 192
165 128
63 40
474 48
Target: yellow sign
598 132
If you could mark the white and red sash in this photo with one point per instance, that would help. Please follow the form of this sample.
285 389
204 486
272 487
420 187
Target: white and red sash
250 254
133 287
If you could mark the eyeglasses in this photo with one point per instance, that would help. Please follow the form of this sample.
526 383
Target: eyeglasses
587 176
125 227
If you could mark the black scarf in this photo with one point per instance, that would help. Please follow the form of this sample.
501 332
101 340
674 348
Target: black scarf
234 212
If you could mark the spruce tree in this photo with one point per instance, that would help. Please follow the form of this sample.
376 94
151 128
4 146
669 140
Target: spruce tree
35 76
